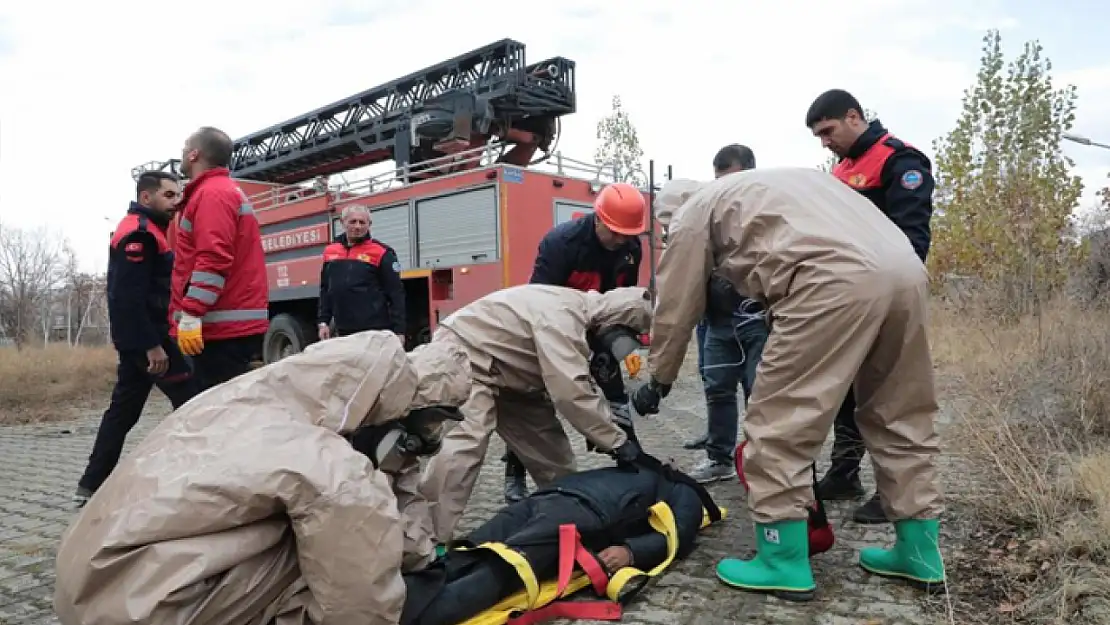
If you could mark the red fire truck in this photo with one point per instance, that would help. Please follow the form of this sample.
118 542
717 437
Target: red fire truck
466 206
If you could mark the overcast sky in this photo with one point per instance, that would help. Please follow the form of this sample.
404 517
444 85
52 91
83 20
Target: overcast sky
90 89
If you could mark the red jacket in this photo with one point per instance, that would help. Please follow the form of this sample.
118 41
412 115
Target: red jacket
219 270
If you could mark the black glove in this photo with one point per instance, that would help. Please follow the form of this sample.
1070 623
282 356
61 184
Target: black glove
646 398
622 419
627 453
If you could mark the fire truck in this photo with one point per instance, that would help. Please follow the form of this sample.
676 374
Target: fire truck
476 185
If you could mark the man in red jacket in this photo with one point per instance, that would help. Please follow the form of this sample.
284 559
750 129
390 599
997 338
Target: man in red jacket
220 295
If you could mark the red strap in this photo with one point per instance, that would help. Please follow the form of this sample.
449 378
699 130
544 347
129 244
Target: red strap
593 610
571 551
568 540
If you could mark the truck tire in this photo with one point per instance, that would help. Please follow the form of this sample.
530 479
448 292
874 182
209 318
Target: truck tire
287 335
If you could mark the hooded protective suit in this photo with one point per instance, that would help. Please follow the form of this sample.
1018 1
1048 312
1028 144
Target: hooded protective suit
847 299
247 506
522 341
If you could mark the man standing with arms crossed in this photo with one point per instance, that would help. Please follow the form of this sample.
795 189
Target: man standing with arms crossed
596 252
898 180
139 267
220 295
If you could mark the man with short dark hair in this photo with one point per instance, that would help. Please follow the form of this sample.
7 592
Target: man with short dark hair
898 180
139 266
730 341
220 302
733 158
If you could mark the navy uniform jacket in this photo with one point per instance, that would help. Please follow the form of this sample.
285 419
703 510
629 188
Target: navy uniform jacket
570 255
361 287
140 264
896 177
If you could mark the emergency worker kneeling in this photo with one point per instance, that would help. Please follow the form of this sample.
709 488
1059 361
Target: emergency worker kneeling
249 504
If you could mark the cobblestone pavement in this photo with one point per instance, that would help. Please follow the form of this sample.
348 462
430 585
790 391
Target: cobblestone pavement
39 467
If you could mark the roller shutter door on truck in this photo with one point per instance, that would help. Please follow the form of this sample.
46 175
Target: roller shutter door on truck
393 226
458 229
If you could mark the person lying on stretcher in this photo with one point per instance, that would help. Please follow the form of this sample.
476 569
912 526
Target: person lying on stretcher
611 509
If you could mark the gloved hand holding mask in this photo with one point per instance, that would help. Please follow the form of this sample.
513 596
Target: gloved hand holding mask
419 433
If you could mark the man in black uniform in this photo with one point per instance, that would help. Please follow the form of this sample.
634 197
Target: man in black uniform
596 252
608 507
140 264
360 282
898 179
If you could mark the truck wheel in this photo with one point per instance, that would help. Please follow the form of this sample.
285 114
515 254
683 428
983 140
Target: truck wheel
287 336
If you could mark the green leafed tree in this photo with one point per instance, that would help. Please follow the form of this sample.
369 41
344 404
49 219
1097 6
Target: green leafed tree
1004 190
832 160
618 147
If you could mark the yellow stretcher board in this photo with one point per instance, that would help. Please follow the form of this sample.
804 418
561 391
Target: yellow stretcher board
536 595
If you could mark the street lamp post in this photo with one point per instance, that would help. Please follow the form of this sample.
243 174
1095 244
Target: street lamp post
1081 140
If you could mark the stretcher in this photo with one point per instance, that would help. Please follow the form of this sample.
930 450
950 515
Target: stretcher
540 602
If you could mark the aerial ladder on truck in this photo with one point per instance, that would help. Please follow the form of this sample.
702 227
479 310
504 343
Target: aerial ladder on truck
448 108
444 127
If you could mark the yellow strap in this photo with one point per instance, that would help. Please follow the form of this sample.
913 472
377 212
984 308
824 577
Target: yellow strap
662 521
520 564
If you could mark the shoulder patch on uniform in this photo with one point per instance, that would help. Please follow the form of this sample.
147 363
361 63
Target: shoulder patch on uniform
912 179
857 180
397 266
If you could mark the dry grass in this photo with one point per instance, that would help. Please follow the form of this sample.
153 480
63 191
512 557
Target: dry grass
42 384
1031 400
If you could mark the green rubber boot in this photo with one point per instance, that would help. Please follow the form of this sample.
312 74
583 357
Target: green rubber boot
780 566
914 558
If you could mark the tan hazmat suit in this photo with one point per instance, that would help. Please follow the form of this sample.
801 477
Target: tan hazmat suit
847 298
247 507
523 341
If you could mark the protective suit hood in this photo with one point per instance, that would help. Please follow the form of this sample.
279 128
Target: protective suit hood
626 306
345 383
443 371
672 196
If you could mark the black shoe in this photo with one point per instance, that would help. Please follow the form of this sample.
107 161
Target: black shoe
870 513
836 487
516 482
82 496
696 443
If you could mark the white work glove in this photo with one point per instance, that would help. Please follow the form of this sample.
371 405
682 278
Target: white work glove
190 337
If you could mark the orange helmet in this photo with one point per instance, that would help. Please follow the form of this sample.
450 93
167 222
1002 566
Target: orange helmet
621 207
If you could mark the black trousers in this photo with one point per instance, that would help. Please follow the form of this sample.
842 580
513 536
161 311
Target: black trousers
225 359
612 387
848 448
133 385
477 581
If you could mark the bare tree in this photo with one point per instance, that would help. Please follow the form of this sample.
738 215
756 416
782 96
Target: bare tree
32 265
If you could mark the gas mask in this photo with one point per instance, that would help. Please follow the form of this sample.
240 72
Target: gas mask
610 346
419 433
